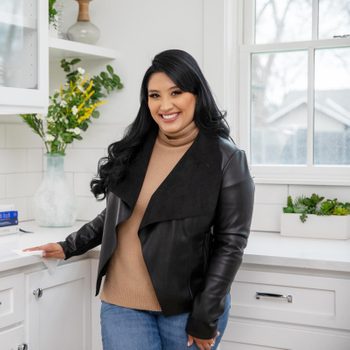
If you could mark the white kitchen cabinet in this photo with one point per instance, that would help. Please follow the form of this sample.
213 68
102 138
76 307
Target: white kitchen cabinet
58 308
13 338
25 52
289 309
96 340
23 56
12 312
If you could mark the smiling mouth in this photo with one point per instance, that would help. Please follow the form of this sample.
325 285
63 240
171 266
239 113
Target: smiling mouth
170 116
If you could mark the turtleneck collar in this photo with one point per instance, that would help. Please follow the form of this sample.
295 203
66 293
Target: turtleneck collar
180 138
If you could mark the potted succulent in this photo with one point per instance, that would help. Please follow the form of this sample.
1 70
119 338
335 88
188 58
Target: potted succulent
316 217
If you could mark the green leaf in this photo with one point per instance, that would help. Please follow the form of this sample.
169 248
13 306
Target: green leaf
104 75
95 114
75 61
110 69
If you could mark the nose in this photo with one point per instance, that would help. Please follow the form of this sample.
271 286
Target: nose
165 104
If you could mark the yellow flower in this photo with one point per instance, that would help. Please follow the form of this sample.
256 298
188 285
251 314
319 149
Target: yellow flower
89 110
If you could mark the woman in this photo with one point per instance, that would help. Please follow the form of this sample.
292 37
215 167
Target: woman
179 201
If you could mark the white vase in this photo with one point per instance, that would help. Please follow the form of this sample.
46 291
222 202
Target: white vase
54 201
83 30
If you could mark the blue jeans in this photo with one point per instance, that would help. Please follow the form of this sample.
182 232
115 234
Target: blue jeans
130 329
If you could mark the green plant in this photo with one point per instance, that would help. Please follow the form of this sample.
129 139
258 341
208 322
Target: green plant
315 205
72 106
52 13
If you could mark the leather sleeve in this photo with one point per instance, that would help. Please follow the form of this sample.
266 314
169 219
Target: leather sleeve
87 237
230 234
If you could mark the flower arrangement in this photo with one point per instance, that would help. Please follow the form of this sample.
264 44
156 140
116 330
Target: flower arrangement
72 106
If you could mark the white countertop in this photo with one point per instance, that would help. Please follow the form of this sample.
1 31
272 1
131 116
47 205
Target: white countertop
263 248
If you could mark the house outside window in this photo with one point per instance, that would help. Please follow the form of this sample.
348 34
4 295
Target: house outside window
295 90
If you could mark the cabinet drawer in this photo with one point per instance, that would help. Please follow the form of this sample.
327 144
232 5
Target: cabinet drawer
11 299
12 338
305 299
257 335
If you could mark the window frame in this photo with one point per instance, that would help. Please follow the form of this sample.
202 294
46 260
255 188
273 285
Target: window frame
309 174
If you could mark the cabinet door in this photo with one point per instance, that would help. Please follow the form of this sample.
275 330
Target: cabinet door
12 338
243 334
23 56
96 340
59 312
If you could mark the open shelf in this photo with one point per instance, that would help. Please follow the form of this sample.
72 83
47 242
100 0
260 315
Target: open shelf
61 48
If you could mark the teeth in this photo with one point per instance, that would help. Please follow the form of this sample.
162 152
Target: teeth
169 116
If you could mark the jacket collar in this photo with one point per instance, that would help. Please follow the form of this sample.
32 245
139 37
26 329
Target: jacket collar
190 189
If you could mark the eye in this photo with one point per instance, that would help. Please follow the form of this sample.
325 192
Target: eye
176 92
153 95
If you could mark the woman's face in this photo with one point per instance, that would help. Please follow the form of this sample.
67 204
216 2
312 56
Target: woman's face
171 108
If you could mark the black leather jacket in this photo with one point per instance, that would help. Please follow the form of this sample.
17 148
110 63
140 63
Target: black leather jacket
193 232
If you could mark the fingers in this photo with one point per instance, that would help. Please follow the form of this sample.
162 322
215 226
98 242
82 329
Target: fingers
203 344
33 248
50 250
190 340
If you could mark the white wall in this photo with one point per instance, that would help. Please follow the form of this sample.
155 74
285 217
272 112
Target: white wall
137 30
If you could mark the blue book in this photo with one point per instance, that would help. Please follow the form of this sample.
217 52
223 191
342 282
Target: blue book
8 218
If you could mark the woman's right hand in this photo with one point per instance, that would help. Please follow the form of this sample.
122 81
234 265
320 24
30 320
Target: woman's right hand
50 250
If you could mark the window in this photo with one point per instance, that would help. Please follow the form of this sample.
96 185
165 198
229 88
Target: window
295 90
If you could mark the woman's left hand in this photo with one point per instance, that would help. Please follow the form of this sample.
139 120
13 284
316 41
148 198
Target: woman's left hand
202 344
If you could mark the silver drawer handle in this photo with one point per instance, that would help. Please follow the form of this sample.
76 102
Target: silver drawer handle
259 295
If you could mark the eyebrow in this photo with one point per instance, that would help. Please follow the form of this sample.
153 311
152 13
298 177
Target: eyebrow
173 87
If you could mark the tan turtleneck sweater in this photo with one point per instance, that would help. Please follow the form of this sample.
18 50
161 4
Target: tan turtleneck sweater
127 282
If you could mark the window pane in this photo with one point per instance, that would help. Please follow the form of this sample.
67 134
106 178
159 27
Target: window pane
279 108
332 106
334 18
282 20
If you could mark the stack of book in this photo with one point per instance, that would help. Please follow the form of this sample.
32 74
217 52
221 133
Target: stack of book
8 219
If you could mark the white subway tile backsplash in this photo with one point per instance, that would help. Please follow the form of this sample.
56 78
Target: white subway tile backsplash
89 207
83 160
100 136
2 136
30 208
266 193
82 184
21 136
342 193
22 185
12 161
267 217
2 186
34 160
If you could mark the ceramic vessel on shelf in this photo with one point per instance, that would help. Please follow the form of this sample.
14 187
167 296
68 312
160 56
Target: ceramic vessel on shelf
54 202
83 30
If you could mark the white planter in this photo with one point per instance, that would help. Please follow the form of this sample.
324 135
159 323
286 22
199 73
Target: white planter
315 226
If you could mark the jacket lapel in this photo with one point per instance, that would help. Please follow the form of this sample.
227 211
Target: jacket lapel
190 189
129 188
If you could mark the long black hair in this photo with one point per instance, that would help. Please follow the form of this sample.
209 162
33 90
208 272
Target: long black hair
184 71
